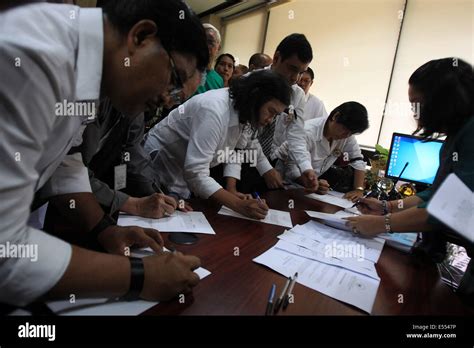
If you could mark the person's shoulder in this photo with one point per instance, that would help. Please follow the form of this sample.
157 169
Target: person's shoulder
46 32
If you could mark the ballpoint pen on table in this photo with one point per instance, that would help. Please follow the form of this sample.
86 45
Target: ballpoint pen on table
271 297
286 302
280 299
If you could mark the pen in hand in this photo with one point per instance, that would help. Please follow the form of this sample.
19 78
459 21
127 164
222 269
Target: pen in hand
358 201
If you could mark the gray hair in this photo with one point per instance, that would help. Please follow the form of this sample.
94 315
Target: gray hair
209 26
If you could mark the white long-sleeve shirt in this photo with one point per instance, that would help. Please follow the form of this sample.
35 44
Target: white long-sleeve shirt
291 131
324 154
314 107
50 54
185 145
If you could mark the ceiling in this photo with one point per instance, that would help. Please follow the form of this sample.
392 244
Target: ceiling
225 8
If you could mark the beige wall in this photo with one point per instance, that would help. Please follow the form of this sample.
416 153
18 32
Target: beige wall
353 44
243 36
433 29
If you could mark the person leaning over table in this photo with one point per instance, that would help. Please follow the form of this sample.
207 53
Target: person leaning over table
185 145
76 55
444 90
327 139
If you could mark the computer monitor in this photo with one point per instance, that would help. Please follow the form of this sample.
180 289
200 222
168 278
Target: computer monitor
422 156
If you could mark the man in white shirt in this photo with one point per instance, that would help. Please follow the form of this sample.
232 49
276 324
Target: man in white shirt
314 106
292 57
329 138
57 61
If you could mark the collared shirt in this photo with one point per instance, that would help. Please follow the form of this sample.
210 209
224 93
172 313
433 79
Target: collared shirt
314 107
324 154
192 139
51 54
291 131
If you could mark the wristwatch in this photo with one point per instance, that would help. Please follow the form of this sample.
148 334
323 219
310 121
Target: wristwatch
137 279
359 188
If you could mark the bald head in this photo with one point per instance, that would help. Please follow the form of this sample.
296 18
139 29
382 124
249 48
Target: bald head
259 61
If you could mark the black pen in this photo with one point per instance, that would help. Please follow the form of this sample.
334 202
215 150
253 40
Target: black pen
365 196
290 291
271 296
282 296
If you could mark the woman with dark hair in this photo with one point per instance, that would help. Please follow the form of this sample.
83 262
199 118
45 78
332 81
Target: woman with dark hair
225 65
205 131
443 92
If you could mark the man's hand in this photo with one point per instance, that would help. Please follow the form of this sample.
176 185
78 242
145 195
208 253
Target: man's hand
309 180
240 195
252 208
154 206
323 187
169 274
273 179
119 239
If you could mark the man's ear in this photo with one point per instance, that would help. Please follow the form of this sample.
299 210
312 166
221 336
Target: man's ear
141 34
276 57
335 116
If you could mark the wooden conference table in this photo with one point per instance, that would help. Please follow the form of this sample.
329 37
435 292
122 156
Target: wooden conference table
239 286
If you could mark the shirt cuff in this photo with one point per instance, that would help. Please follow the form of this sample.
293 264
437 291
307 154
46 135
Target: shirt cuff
304 166
26 279
232 170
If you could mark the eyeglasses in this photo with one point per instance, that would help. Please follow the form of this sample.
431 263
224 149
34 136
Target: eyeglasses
175 93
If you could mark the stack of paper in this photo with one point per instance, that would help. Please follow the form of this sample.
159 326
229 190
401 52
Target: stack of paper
328 260
332 199
106 306
192 222
400 241
274 217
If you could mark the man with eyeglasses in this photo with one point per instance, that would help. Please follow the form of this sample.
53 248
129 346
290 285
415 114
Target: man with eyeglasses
113 143
58 63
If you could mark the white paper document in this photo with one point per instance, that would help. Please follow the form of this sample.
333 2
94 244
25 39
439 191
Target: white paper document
274 217
105 306
370 248
334 220
453 205
330 255
339 283
330 199
192 222
336 193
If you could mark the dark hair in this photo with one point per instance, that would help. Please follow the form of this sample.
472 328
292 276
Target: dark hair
447 89
258 60
351 115
224 55
251 92
310 72
178 28
295 44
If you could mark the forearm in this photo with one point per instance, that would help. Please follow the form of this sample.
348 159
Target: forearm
231 183
410 220
130 206
84 276
403 204
226 198
79 208
359 177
